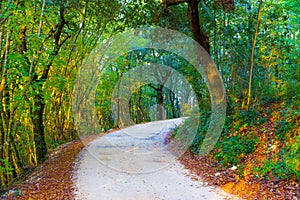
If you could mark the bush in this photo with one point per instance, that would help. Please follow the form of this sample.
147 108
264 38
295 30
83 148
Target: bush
6 167
287 122
231 150
247 118
184 133
287 164
292 159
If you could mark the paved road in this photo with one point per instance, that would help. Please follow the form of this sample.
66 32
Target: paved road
135 164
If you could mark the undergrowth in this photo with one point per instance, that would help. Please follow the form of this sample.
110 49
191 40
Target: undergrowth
242 134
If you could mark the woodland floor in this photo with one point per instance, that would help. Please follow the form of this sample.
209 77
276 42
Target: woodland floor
54 178
247 186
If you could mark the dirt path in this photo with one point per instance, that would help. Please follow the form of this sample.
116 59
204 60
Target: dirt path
134 163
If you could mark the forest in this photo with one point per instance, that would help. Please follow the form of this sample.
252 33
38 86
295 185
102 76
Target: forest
255 46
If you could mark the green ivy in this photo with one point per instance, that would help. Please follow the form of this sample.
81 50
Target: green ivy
6 167
231 150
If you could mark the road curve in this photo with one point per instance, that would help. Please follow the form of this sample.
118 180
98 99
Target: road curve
135 164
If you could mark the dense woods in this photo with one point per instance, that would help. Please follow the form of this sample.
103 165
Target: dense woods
254 44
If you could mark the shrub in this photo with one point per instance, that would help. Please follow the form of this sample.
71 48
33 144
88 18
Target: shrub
231 150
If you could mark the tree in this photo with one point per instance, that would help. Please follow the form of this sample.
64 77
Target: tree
193 16
252 54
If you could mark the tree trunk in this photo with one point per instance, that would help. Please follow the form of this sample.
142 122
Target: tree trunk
193 15
252 55
160 102
37 112
4 112
172 100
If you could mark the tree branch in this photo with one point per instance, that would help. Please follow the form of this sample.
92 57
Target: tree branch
57 43
154 88
173 2
2 20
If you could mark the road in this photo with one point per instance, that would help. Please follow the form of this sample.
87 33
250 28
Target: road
135 164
